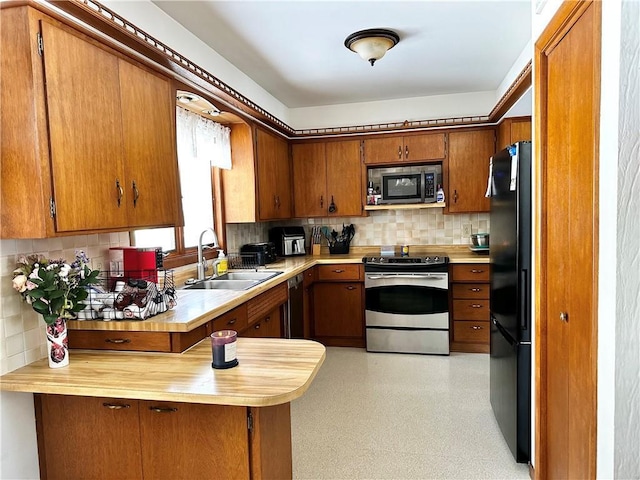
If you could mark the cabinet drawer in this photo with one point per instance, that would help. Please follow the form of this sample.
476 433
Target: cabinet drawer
478 272
268 326
118 340
471 290
471 332
347 272
471 309
235 319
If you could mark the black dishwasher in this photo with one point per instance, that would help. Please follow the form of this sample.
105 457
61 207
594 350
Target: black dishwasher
294 327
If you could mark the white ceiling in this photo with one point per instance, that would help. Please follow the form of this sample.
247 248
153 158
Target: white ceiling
295 49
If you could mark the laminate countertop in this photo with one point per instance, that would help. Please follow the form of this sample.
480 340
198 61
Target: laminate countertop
271 371
197 307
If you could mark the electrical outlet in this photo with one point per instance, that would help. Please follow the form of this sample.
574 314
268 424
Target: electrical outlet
466 229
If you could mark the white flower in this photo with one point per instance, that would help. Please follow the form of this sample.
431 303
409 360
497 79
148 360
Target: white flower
35 272
20 283
64 271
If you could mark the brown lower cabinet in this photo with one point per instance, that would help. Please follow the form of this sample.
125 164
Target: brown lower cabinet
259 317
470 308
338 305
106 438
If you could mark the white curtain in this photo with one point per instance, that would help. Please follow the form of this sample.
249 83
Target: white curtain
204 139
201 144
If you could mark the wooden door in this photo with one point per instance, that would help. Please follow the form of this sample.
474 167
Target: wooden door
568 124
274 177
424 147
86 437
338 310
383 150
344 178
309 180
520 131
283 178
188 440
266 182
151 166
85 129
469 154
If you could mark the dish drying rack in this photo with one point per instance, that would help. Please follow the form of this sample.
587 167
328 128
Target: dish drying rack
243 261
119 298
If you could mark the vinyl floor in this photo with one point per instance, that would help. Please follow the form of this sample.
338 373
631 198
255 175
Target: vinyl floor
394 416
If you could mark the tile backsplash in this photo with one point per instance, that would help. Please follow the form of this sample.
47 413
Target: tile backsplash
427 226
22 332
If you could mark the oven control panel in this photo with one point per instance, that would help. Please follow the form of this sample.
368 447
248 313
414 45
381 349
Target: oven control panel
433 259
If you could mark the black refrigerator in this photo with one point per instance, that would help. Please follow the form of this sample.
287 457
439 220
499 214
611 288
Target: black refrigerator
510 253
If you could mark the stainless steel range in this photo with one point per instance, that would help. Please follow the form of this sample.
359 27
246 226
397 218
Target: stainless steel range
407 304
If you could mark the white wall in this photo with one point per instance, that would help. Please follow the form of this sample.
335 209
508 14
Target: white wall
398 110
627 328
18 453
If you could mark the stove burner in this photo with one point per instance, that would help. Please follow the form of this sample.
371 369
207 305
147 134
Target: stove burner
433 259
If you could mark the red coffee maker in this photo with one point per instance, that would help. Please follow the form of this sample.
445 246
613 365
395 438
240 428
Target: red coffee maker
136 263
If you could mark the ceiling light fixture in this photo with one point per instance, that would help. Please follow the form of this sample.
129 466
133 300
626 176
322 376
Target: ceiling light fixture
214 112
186 98
372 44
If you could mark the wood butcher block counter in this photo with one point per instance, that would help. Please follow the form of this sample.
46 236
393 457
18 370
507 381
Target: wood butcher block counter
270 372
150 415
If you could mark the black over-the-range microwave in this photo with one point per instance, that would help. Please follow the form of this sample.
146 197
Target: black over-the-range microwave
412 187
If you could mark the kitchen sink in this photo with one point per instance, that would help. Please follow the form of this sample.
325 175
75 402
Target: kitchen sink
234 281
262 276
217 284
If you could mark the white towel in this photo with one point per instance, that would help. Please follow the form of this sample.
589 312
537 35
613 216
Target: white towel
490 187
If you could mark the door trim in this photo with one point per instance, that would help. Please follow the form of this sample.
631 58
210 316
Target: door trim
564 19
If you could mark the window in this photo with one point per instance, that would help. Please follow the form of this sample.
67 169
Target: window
201 144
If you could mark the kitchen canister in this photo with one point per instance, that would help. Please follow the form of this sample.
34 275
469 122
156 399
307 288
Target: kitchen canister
223 348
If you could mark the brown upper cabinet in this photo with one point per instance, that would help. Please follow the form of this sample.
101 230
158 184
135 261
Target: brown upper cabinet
88 137
326 174
258 187
408 148
512 130
469 154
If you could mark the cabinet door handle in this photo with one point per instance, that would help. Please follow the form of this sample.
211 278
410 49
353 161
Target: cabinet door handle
116 406
399 152
268 319
257 326
117 340
136 194
475 289
475 305
406 152
321 201
477 327
477 271
120 191
163 409
338 271
455 196
564 317
232 321
351 287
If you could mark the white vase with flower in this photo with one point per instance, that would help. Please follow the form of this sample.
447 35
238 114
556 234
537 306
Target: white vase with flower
56 290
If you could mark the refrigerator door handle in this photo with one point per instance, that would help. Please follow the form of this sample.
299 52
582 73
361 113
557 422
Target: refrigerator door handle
524 299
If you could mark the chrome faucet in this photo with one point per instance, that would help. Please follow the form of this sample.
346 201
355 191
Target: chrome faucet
202 262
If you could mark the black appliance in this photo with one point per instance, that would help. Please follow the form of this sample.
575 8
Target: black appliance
510 253
407 304
289 241
403 188
265 252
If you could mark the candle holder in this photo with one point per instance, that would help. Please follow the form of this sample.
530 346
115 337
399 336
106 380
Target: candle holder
223 348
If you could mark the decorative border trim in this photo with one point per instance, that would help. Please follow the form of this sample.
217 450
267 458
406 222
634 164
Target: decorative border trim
93 12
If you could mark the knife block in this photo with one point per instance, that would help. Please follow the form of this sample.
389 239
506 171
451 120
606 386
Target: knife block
315 249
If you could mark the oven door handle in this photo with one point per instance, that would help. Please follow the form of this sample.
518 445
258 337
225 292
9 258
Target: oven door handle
407 276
